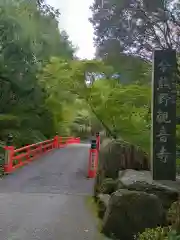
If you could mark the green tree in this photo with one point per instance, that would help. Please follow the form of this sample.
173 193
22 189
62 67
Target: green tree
136 27
29 37
123 110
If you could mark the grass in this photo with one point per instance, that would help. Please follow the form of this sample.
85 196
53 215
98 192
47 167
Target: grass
92 206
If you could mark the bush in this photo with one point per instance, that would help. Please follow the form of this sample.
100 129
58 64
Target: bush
159 233
167 233
154 234
173 216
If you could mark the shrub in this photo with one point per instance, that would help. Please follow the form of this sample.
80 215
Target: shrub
154 234
174 216
165 233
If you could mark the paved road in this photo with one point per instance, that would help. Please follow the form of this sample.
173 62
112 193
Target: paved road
46 200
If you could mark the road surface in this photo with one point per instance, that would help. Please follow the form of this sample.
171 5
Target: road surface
46 200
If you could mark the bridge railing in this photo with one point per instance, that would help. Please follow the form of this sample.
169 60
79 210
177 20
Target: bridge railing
16 158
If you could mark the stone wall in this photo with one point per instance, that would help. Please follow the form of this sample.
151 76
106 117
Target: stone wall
115 156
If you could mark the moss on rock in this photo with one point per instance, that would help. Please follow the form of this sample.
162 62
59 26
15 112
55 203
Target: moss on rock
108 186
114 156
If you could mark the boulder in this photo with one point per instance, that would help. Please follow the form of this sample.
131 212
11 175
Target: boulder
103 200
108 186
115 155
142 181
110 158
109 164
130 212
97 183
130 176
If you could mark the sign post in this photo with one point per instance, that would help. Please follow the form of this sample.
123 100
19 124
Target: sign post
163 149
93 155
9 151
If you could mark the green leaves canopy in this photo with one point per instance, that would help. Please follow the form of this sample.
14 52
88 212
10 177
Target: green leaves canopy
123 110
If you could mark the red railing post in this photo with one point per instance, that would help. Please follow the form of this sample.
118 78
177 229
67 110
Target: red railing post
56 141
9 153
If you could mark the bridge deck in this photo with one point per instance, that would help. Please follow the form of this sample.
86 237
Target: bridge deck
46 199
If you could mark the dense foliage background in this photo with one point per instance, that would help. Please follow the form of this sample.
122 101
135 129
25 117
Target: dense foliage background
29 37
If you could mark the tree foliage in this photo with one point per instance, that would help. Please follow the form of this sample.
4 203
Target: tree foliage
122 110
136 27
29 37
126 34
125 109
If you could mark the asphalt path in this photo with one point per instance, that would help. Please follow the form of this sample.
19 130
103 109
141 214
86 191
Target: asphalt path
46 200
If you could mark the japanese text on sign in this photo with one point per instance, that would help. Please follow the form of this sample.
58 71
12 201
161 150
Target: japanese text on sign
164 115
163 155
164 100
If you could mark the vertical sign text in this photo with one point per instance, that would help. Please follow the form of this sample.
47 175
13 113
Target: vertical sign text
164 115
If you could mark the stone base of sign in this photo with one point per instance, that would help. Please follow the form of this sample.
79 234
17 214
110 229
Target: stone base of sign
168 174
166 190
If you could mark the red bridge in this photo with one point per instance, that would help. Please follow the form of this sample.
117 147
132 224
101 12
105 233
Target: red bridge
16 158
